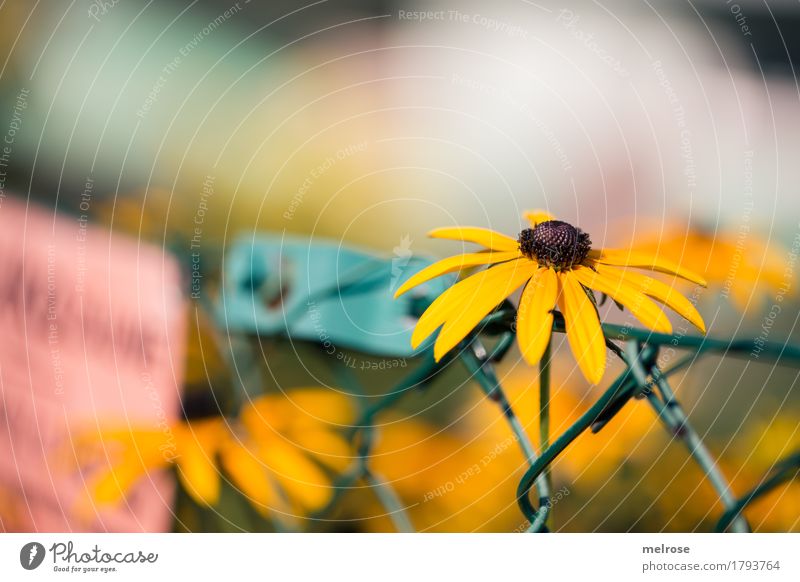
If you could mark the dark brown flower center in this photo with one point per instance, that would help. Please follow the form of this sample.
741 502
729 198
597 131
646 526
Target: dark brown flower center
555 244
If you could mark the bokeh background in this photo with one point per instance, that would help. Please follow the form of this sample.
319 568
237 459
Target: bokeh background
368 124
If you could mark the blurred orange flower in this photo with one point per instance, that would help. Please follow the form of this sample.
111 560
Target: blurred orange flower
758 449
745 267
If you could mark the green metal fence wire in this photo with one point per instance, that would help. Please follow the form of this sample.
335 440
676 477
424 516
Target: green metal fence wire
641 378
783 472
640 354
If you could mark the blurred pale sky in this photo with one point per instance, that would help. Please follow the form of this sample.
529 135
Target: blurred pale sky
369 124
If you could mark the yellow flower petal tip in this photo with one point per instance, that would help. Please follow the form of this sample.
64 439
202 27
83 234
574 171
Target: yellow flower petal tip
595 375
438 353
485 237
701 325
537 216
452 264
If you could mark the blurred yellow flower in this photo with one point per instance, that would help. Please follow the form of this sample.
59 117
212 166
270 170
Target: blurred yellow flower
280 452
463 478
755 453
447 480
590 456
556 264
633 475
745 267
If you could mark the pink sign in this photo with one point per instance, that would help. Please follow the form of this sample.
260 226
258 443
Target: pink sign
92 333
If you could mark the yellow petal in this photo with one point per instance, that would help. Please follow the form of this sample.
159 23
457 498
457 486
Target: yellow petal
198 443
456 263
300 478
535 314
583 327
312 406
537 216
767 265
482 236
624 258
643 308
114 483
119 437
266 415
249 475
438 311
328 447
298 407
493 286
743 295
664 293
132 453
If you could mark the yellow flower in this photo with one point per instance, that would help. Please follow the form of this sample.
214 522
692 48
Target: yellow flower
449 481
278 449
555 262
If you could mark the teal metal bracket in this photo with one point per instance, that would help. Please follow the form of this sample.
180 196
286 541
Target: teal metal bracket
322 291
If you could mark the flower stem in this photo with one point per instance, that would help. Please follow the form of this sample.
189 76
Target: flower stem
474 358
388 498
533 474
544 416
